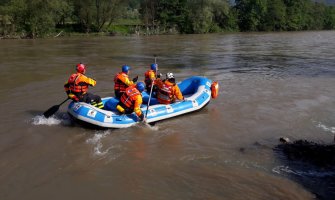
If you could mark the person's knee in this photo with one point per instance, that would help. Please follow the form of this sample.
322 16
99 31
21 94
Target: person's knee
97 98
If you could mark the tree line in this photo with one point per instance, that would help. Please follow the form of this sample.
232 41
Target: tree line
39 18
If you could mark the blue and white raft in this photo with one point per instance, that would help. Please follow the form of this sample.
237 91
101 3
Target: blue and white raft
196 90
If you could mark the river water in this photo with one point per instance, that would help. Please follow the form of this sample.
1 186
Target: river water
271 85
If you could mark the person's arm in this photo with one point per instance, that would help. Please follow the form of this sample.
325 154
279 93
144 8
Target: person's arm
126 80
137 107
73 97
152 75
89 81
177 93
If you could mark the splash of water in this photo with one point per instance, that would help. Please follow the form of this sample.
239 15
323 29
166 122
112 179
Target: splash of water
153 128
310 173
96 140
326 128
147 126
41 120
98 150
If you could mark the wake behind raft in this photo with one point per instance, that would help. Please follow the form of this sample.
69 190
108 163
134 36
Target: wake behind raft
197 90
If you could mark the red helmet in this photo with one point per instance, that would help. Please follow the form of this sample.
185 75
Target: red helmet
81 68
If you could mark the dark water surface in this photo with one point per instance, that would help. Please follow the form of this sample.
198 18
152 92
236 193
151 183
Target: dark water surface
271 85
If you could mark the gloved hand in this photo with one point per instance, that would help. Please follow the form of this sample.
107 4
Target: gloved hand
92 83
159 75
141 117
73 97
135 79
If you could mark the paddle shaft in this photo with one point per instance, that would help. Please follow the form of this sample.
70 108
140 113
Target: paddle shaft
152 85
53 109
64 101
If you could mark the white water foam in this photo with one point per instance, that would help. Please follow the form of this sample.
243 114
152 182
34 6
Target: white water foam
147 126
41 120
326 128
311 173
96 140
153 128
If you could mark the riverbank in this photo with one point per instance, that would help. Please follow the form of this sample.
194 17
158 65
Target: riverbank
116 30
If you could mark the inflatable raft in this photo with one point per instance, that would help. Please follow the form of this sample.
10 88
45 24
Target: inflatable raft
197 92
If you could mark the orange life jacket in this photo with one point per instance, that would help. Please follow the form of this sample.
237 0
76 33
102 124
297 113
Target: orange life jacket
77 85
148 77
119 82
128 98
165 93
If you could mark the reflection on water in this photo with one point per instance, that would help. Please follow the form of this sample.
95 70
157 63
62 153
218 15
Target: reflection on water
271 85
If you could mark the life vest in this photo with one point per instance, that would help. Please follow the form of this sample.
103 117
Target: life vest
165 93
119 85
129 97
77 85
147 78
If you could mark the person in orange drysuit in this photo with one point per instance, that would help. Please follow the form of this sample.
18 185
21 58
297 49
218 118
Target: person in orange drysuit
121 81
168 91
131 100
77 87
150 76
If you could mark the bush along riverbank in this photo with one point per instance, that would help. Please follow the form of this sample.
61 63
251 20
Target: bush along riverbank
36 19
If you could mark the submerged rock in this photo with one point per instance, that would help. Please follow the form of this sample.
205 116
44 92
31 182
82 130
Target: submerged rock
321 155
309 164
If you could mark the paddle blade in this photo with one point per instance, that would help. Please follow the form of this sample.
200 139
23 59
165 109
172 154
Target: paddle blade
51 111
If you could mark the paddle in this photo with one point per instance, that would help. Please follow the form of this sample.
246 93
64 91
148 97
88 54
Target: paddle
152 85
53 109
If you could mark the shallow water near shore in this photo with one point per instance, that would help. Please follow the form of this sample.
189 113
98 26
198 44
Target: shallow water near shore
271 85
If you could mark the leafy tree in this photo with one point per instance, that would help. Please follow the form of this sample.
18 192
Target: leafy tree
201 16
316 16
275 17
165 14
92 15
107 11
63 10
32 17
83 11
134 4
4 19
148 10
4 2
296 15
172 13
250 13
224 15
36 18
329 21
232 20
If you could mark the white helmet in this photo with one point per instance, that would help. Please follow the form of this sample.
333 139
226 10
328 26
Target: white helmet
169 75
